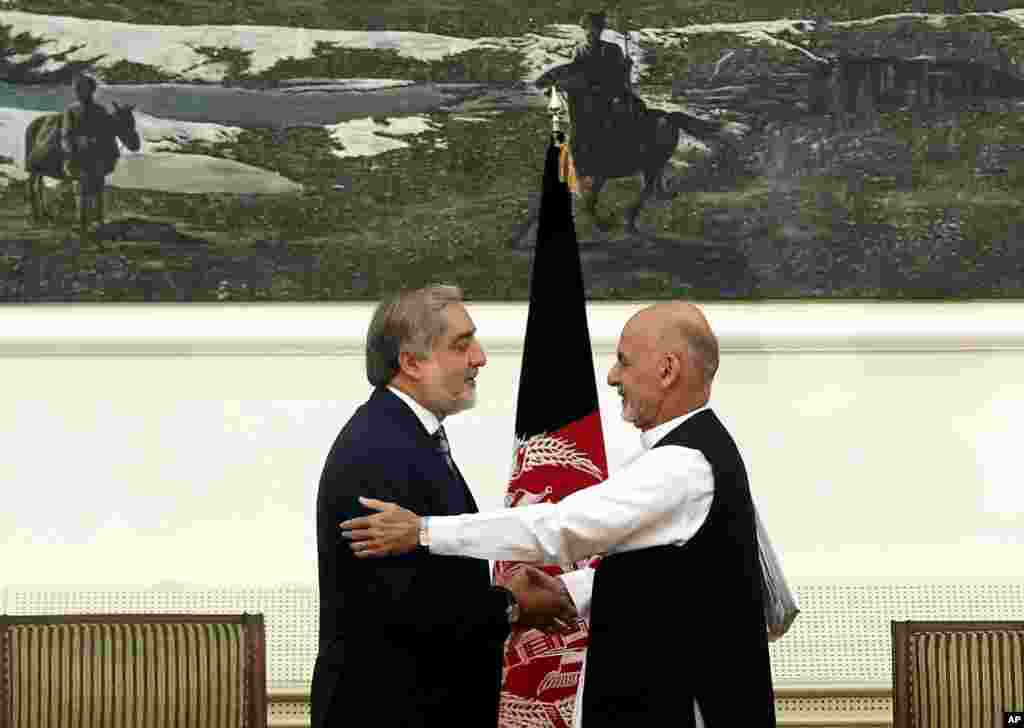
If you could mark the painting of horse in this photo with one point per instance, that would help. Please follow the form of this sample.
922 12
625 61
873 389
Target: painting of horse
859 151
640 141
44 157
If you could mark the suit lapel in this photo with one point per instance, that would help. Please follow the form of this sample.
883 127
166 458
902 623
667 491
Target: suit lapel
454 487
470 500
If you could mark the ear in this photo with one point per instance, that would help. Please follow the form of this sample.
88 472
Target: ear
410 365
670 368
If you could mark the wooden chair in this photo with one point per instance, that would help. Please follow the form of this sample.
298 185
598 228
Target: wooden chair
957 674
133 671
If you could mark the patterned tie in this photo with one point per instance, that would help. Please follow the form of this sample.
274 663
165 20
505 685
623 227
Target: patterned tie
441 440
459 499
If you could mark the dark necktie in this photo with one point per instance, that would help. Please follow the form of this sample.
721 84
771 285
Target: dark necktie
460 500
441 441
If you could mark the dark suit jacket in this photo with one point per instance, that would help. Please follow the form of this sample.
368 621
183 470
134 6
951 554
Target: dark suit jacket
413 640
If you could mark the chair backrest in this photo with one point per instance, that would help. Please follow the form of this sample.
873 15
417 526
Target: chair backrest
962 673
133 671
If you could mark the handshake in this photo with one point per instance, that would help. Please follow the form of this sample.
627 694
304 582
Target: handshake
543 601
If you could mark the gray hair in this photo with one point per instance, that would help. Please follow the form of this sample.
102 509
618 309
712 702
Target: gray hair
406 321
703 350
701 347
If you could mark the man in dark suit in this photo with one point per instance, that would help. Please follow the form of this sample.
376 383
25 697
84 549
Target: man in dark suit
417 640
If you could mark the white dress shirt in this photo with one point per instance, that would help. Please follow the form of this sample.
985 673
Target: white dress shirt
660 496
428 418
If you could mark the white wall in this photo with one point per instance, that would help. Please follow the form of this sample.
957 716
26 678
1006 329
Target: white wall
184 443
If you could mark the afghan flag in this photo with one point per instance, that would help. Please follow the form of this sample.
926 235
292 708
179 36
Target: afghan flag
559 448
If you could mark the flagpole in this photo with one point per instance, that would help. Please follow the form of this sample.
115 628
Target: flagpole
559 448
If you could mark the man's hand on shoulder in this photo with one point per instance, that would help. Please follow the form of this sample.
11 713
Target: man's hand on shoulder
393 531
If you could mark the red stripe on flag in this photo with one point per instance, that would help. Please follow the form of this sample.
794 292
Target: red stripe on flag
541 671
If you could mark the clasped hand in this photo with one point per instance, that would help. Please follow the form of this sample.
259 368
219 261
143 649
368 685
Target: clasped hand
544 602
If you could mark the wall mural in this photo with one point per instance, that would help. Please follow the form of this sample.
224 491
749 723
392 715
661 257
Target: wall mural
254 150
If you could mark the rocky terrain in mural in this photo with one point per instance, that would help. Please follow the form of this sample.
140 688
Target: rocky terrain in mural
874 157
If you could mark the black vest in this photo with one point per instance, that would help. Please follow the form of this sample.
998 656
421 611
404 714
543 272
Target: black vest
672 623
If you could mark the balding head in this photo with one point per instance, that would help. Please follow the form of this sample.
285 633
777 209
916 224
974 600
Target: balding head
681 328
668 357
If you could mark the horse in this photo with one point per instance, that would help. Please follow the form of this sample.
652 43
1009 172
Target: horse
44 157
639 141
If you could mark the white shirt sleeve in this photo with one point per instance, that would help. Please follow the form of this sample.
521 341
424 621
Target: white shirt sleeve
661 497
580 584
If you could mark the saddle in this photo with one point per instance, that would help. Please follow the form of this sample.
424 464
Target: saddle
607 134
47 157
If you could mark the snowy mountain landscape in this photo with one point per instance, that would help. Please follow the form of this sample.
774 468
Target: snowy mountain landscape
301 163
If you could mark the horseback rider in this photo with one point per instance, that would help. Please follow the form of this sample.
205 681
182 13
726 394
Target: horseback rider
85 126
606 68
607 109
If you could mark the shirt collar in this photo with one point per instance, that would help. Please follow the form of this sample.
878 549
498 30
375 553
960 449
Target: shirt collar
429 420
654 435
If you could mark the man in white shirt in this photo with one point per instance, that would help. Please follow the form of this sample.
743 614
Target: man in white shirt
677 529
